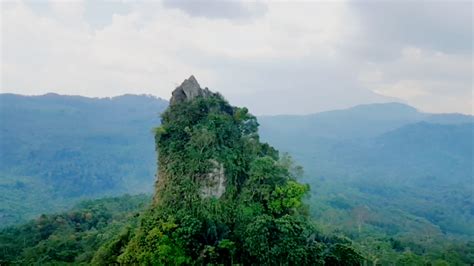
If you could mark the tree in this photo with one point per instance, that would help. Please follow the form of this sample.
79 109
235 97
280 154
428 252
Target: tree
260 217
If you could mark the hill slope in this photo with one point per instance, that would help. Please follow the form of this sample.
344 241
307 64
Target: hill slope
56 149
359 122
383 171
420 169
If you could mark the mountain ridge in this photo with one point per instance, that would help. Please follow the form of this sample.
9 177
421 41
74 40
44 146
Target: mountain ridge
52 142
372 177
159 98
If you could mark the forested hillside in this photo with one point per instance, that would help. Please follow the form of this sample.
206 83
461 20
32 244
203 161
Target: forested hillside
222 197
72 236
420 169
58 149
388 176
88 232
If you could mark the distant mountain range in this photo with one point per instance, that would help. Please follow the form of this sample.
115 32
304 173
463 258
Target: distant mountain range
379 136
363 121
58 149
388 157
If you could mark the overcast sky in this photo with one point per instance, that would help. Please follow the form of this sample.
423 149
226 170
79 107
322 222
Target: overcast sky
273 57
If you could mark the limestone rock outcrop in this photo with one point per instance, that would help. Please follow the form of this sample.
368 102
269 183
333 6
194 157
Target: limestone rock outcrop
188 90
213 184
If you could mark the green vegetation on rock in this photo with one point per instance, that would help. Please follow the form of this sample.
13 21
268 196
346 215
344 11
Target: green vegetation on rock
394 181
224 197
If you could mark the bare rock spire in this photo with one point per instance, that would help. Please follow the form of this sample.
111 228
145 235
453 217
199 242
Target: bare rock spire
188 90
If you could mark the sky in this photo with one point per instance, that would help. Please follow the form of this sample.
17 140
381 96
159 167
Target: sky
285 57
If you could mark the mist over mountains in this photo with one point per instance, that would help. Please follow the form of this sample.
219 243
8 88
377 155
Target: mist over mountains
390 158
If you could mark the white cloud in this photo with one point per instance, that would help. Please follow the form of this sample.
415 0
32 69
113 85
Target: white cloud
216 9
431 80
67 10
301 57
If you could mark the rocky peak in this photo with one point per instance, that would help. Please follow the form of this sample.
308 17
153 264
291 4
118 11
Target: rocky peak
188 90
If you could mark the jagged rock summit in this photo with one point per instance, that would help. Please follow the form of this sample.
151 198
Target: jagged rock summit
188 90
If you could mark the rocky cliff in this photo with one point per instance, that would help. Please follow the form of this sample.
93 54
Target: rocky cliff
189 90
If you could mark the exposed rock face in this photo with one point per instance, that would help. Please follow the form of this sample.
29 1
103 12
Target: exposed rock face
188 90
213 184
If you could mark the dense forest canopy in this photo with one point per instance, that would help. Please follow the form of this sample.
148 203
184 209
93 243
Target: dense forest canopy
395 181
74 236
56 150
222 196
93 231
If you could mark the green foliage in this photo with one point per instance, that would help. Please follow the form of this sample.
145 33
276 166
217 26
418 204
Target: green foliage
260 218
381 231
401 197
390 184
342 254
57 150
287 197
75 236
